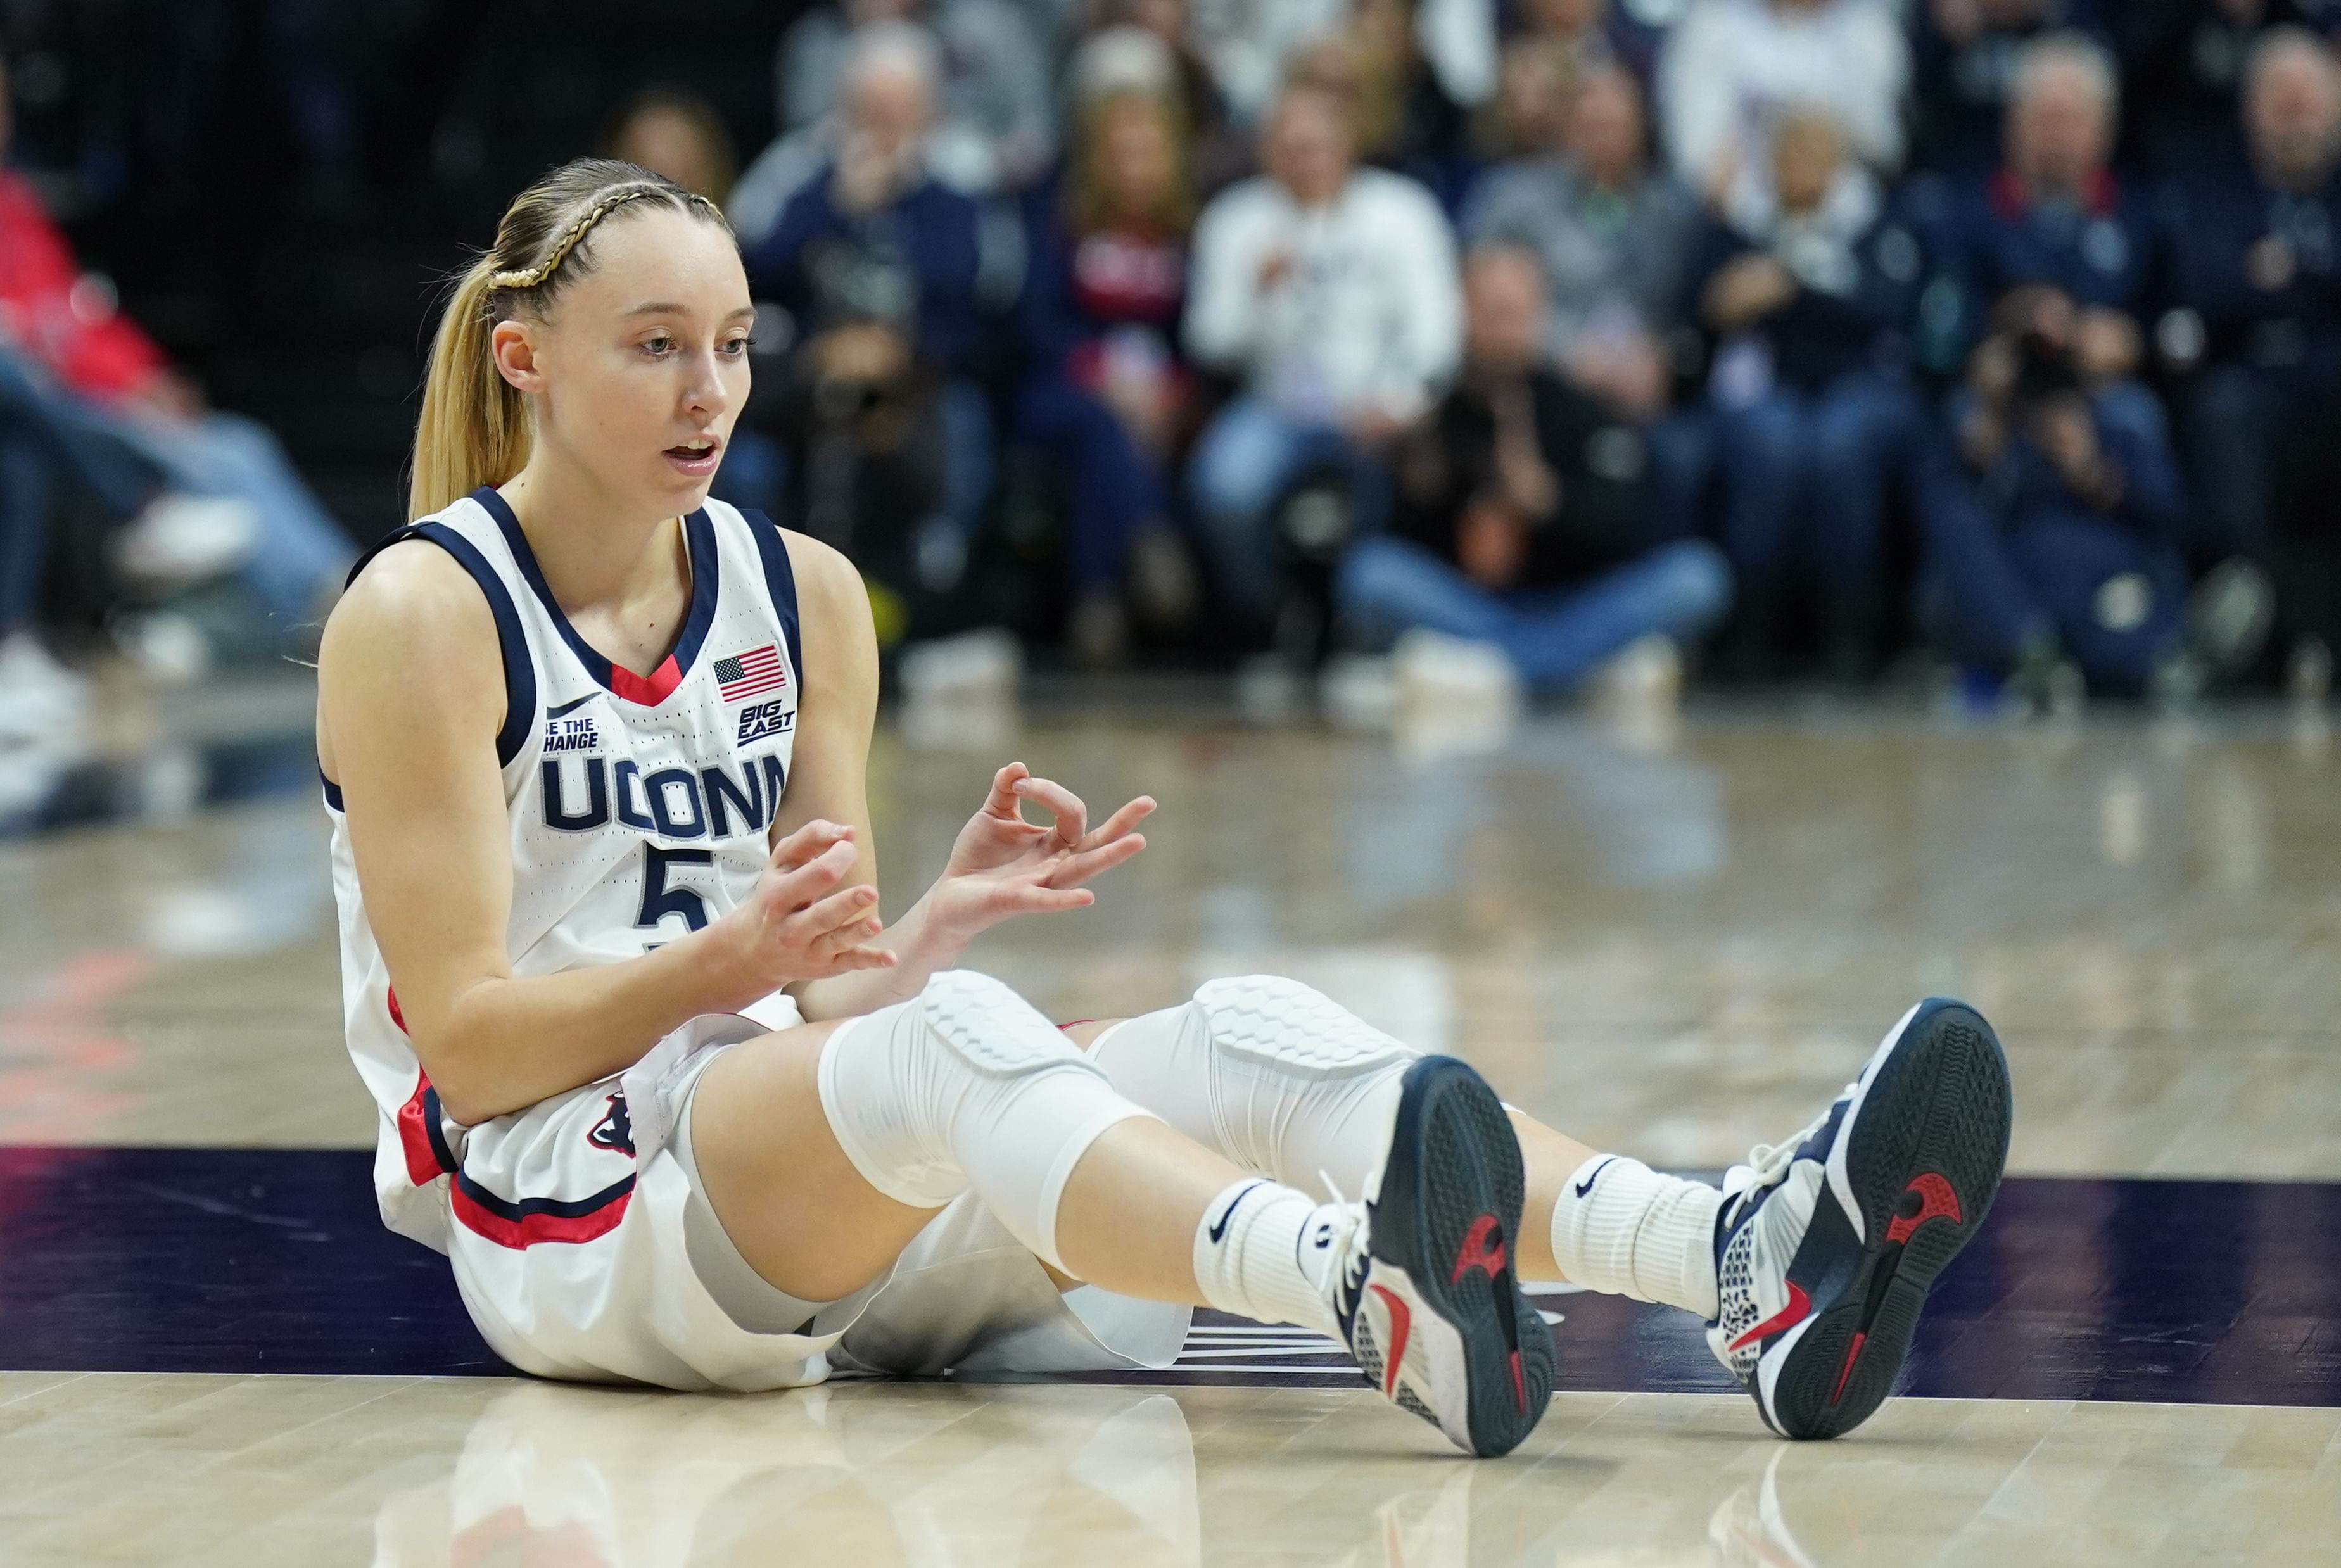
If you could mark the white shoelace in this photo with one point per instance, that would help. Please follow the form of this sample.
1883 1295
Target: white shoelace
1350 1227
1768 1164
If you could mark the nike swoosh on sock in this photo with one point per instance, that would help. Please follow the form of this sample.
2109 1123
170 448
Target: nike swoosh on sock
1587 1184
1219 1227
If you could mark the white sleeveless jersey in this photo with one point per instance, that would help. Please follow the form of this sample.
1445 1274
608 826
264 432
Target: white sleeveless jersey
637 809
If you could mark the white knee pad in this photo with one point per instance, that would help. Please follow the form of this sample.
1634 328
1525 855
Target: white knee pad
967 1086
1294 1029
1277 1078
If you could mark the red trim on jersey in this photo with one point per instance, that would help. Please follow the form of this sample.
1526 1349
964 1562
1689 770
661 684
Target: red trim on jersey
651 690
524 1225
414 1130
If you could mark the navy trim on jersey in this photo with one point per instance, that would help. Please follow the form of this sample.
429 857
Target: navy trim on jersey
535 1221
434 1128
781 582
520 670
333 790
699 536
559 1208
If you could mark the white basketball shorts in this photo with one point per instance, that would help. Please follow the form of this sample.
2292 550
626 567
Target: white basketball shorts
585 1251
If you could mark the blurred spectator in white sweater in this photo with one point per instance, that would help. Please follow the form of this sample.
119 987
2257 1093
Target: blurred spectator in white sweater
1329 292
1733 69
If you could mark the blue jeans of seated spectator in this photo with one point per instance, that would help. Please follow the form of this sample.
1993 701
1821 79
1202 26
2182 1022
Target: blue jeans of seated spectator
2044 572
24 492
1251 458
1554 637
2232 415
116 450
302 549
1114 485
1806 478
1682 452
73 433
970 467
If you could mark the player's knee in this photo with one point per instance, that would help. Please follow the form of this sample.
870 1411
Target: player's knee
993 1030
1297 1028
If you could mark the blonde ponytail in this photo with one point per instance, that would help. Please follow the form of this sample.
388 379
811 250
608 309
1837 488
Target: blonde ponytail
475 429
474 425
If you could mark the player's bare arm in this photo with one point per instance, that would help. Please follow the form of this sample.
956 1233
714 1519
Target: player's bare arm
1002 865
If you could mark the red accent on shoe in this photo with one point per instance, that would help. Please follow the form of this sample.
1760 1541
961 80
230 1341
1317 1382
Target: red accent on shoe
1477 1254
1852 1355
1520 1384
1789 1316
1402 1318
1936 1200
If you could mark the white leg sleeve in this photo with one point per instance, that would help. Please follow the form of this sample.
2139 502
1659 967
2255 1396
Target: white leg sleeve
1281 1079
967 1086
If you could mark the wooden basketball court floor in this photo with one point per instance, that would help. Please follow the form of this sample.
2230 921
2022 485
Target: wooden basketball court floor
1675 946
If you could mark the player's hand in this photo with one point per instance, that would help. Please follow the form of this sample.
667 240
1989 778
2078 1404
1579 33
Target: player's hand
801 924
1003 866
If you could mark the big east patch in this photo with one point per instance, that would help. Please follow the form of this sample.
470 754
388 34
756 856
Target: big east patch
773 718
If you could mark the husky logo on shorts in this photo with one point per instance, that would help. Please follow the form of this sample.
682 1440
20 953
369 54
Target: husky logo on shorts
614 1131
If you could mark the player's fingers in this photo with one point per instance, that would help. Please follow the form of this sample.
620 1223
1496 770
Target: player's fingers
1076 869
1073 817
846 907
1002 800
863 958
808 842
1038 900
1120 822
800 886
853 934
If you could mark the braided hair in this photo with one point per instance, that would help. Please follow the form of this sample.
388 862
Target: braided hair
474 425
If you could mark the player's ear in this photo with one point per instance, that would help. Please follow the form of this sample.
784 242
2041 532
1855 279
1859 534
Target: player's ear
513 346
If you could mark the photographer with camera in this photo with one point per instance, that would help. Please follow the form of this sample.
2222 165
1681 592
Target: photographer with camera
2051 527
2056 214
880 267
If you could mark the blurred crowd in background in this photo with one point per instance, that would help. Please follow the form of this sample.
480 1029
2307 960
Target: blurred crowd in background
1562 343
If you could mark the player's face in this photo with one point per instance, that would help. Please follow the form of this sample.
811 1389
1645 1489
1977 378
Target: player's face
643 365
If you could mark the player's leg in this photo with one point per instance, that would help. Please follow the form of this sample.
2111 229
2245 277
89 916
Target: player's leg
1809 1266
1285 1082
822 1151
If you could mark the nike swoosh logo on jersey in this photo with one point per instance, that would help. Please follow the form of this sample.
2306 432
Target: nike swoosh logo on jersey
1587 1184
571 707
1221 1228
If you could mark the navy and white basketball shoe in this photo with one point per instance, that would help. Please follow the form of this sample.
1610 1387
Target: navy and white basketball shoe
1421 1275
1827 1244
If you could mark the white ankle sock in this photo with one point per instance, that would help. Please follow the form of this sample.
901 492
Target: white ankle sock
1248 1255
1622 1228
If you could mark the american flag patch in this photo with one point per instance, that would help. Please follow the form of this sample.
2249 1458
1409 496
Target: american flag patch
745 674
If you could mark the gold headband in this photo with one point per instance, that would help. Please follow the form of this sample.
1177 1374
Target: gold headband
536 276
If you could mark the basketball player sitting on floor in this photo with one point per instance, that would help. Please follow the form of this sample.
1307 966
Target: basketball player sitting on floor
681 1110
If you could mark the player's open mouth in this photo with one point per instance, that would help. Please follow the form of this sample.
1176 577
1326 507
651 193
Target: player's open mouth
696 458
